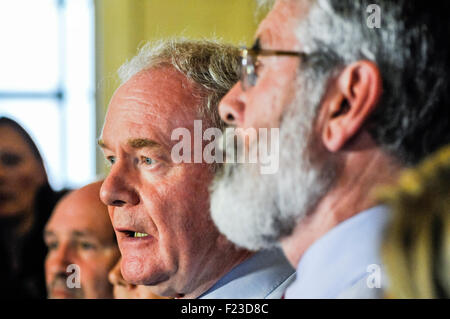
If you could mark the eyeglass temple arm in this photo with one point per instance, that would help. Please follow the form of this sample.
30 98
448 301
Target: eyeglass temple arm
275 52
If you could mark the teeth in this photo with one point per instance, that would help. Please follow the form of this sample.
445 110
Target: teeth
139 235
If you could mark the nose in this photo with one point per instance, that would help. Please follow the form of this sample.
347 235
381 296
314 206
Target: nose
116 191
232 107
115 276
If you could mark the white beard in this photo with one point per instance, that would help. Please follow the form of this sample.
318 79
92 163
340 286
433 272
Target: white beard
254 210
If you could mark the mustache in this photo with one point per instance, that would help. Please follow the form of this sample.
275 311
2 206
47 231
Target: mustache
234 146
227 144
60 282
249 146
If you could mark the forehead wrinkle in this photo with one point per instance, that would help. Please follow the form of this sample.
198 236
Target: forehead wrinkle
154 104
144 111
166 89
160 121
138 99
149 130
171 85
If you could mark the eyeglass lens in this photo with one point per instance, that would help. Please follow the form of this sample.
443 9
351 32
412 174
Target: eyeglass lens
248 72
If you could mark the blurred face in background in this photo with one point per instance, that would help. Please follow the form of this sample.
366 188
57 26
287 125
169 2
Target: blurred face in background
21 174
124 290
79 232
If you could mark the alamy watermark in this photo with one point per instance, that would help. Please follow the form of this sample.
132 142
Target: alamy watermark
74 279
374 19
234 145
374 279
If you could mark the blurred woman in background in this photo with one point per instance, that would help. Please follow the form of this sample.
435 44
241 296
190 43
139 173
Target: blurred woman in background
416 249
26 201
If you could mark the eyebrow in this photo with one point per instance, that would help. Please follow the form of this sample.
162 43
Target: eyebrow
101 143
136 143
143 142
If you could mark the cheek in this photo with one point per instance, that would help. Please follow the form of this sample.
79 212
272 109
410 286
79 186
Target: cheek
264 110
187 197
25 182
178 207
27 176
191 221
111 214
273 93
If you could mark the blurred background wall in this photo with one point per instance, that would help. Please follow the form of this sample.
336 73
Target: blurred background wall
58 63
47 82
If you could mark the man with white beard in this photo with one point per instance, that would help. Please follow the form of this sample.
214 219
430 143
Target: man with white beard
353 109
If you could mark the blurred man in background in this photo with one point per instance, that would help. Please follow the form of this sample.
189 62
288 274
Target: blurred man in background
355 101
82 247
159 206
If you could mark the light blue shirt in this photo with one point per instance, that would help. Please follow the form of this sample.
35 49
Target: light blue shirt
265 275
340 264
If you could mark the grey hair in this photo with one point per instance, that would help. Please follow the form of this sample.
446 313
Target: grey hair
263 4
213 66
412 119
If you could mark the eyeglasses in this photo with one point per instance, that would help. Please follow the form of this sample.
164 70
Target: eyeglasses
249 58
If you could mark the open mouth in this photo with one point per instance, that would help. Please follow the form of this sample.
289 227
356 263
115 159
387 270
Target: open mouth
134 234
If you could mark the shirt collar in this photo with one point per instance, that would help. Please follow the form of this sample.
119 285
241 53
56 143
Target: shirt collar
256 277
341 257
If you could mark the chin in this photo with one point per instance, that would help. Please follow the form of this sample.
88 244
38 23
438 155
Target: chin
143 271
120 292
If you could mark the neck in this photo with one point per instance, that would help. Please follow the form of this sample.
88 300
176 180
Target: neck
218 266
362 170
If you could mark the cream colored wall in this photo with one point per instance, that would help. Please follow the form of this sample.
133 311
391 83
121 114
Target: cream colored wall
123 25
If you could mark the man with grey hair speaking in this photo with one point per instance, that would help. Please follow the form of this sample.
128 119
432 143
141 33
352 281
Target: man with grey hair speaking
159 207
354 104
